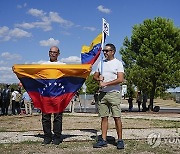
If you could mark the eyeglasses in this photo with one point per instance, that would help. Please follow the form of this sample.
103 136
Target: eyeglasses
53 52
106 50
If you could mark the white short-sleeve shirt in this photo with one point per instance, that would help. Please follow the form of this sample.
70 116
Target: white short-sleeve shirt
56 62
109 72
13 95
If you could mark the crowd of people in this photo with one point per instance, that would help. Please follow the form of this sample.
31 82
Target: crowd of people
14 101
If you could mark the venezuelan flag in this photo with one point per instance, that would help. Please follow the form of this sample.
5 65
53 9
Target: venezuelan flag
51 87
89 54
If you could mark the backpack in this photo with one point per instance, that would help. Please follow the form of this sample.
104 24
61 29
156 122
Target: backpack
18 97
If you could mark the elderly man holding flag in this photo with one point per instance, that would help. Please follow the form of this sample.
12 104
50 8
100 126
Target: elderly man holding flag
51 87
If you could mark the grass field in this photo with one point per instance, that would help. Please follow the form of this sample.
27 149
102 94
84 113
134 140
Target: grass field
131 147
72 122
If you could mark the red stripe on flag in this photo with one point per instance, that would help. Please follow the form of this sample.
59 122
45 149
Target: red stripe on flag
51 104
95 57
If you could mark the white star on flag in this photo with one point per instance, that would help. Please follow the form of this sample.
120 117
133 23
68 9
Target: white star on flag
52 84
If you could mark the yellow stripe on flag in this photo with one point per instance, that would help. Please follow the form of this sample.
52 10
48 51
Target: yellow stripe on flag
49 71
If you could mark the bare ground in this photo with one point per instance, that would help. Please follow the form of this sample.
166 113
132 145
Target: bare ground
80 121
88 121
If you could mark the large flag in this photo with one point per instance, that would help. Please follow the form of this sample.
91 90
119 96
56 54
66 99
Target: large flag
89 54
52 86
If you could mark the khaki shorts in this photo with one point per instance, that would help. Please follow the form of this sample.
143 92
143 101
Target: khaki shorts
109 103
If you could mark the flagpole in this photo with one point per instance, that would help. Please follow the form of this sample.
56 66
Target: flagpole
102 46
105 31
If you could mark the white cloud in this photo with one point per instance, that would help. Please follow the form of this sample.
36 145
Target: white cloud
7 60
5 68
49 42
4 31
25 25
40 62
54 17
46 26
21 6
7 75
177 89
7 34
46 20
25 4
36 12
19 33
104 10
90 28
10 56
71 59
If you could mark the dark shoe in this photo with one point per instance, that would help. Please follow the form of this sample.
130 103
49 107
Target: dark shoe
56 141
101 143
120 144
47 141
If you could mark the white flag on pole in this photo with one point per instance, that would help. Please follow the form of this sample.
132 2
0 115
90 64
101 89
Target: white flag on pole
105 27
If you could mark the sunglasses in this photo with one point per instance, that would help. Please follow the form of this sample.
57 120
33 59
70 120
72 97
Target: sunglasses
106 50
53 52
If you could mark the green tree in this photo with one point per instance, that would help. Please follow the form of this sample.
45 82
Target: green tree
92 85
151 56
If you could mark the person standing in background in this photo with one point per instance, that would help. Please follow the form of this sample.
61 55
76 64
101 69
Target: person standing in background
6 95
27 103
15 101
130 101
0 98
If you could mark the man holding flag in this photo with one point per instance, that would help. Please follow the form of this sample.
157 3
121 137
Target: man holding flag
51 87
109 79
54 52
109 74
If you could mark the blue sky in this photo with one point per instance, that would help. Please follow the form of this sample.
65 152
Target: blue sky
29 27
